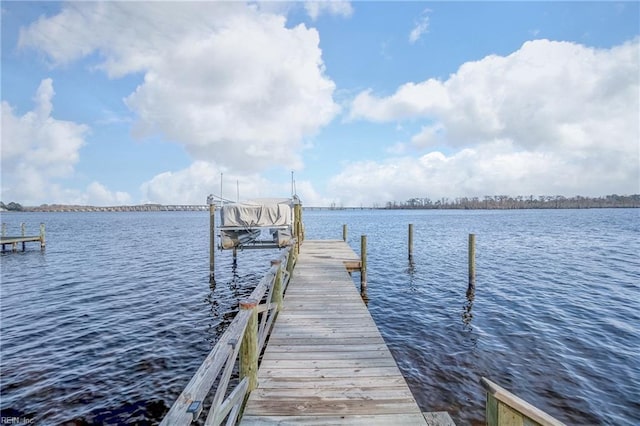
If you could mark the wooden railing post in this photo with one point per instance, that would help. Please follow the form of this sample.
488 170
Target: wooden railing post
249 346
277 296
505 408
292 258
297 224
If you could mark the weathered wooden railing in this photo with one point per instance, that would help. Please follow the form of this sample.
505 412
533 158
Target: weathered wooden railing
242 342
506 409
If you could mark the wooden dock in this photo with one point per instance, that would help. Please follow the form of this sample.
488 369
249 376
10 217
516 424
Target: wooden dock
22 239
323 358
325 361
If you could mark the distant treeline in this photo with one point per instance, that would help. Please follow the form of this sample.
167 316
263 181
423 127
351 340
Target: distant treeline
14 207
488 202
491 202
79 208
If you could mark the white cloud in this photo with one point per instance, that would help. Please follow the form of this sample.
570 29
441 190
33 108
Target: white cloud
39 150
491 169
97 194
528 96
411 100
420 27
565 116
430 135
193 184
228 81
332 7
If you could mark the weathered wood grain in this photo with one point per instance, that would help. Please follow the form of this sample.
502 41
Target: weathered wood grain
335 420
326 362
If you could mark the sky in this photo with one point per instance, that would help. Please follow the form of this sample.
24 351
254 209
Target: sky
131 102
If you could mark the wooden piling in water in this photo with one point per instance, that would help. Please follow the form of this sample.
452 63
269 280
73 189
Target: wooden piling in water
472 261
410 242
344 232
42 237
212 239
249 346
363 263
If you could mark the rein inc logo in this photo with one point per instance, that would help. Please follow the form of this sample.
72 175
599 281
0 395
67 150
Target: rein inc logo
16 421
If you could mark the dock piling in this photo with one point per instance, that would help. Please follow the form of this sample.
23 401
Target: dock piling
410 242
472 263
212 237
344 232
42 237
363 263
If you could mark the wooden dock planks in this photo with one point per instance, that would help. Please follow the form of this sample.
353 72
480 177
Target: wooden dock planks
14 241
326 362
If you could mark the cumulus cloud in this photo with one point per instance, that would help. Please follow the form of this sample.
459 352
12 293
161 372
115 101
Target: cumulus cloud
192 184
420 27
331 7
562 108
229 82
97 194
472 172
39 150
530 96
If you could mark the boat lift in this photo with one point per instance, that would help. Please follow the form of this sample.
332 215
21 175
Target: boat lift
263 223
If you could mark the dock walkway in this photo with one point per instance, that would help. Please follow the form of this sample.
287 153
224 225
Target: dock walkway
21 239
326 362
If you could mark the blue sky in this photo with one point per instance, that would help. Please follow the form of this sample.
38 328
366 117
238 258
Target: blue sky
368 102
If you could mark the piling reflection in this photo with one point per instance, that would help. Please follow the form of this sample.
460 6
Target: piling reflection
235 276
412 272
467 311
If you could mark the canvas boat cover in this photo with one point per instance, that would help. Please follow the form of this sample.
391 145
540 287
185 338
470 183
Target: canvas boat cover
262 212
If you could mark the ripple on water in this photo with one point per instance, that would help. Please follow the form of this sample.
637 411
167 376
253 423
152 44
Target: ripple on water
110 323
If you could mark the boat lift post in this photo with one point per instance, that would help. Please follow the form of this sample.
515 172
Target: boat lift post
212 237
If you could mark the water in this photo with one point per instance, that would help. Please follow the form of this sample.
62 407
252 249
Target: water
111 321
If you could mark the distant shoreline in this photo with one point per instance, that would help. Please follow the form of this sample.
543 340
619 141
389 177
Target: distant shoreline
195 208
497 202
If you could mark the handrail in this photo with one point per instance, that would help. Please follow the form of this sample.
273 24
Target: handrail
500 400
242 342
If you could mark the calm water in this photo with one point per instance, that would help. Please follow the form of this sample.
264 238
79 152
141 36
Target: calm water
110 322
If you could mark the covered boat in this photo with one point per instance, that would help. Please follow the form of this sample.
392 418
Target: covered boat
244 225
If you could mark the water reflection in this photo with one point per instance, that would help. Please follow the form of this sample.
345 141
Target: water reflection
235 277
467 311
411 271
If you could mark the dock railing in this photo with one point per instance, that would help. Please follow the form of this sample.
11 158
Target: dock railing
241 343
505 408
